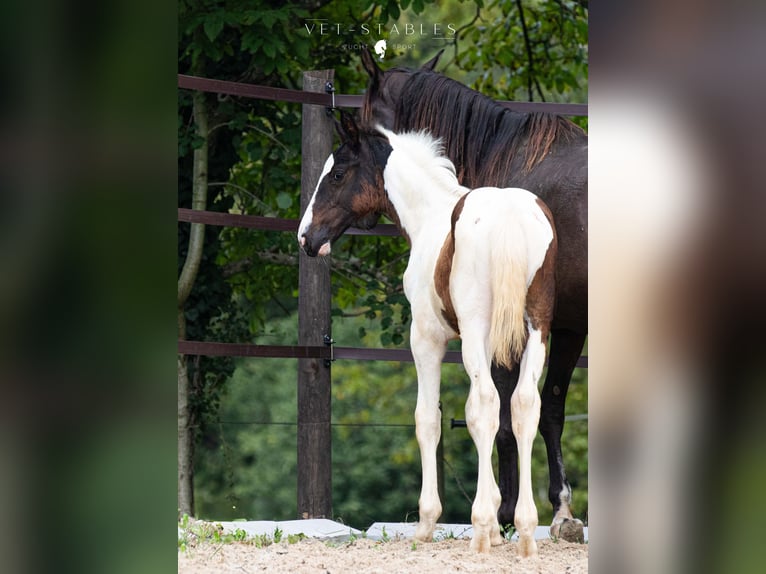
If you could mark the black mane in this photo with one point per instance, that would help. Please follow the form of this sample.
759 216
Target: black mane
468 120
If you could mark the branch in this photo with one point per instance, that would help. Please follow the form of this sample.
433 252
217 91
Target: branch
527 44
268 210
217 126
244 264
351 271
465 27
272 137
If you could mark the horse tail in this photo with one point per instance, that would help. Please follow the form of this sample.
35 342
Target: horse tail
508 260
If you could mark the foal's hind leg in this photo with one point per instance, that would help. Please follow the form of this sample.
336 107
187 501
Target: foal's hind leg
525 402
525 414
482 414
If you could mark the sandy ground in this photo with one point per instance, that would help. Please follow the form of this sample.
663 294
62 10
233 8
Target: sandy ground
311 556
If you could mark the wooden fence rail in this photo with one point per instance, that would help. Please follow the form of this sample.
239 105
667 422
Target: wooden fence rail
344 100
325 352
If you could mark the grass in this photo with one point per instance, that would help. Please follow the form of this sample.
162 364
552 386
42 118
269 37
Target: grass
444 535
353 537
193 532
507 531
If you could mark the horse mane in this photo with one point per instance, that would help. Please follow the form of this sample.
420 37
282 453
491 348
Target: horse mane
460 115
427 151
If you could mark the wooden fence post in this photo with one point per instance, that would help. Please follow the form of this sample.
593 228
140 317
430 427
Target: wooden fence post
314 306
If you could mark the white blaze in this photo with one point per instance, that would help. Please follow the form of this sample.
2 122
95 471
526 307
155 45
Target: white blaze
308 214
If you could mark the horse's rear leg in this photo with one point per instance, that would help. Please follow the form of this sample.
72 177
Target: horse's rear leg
566 347
482 414
428 351
525 414
507 453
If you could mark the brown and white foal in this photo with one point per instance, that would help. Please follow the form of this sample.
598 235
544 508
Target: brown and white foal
481 268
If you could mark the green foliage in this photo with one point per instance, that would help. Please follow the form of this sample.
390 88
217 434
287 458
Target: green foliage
507 531
540 53
445 535
194 532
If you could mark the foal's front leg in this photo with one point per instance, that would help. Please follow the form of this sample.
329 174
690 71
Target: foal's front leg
428 349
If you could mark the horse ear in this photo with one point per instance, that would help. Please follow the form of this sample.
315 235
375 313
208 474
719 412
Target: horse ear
369 64
431 64
347 129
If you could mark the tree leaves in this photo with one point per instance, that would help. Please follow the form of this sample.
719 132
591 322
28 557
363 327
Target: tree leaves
213 25
555 58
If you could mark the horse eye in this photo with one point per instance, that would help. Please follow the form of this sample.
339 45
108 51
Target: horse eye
338 175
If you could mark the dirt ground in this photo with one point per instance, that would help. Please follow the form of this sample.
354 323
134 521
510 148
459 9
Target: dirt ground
311 556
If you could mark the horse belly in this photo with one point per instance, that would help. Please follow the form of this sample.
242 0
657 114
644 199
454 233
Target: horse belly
442 300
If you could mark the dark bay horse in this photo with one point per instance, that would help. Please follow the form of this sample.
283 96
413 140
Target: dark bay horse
481 267
491 145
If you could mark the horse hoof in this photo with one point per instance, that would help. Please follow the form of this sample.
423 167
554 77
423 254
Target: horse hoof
423 533
570 529
481 544
497 539
527 547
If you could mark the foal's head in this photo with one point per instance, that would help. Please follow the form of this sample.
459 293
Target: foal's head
350 190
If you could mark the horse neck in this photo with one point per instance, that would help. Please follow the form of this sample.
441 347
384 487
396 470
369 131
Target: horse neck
422 198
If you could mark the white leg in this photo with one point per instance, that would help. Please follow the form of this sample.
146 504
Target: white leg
482 414
428 351
525 414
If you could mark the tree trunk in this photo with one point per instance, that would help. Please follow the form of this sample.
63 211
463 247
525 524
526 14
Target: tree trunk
185 284
185 433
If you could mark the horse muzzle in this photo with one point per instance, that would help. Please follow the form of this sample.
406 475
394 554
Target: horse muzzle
311 249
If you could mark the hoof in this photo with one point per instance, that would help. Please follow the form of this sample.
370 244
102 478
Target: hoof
570 530
423 533
481 544
527 547
497 538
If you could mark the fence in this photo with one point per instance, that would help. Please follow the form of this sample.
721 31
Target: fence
315 350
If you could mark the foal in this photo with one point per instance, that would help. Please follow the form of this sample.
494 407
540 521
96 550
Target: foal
481 268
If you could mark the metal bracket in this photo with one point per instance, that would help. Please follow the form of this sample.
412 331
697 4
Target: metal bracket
330 89
329 342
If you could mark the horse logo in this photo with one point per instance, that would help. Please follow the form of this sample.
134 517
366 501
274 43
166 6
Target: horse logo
380 49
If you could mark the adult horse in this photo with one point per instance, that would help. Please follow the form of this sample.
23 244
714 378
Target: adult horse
547 154
481 268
